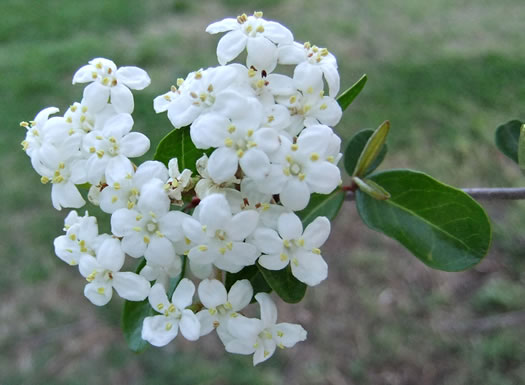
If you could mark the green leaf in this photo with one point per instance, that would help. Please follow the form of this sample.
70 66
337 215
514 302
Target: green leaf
322 205
372 150
133 316
371 188
521 148
441 225
347 97
355 148
284 284
252 274
507 139
178 144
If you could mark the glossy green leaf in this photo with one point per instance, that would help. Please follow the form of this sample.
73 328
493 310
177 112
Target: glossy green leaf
521 148
284 284
373 148
347 97
327 205
355 148
252 274
441 225
178 144
133 316
371 188
508 137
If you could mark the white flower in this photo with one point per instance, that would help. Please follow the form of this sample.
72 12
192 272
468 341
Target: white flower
103 275
124 184
302 168
260 337
206 186
200 91
81 238
239 139
159 330
149 228
291 246
219 235
257 35
108 83
112 146
251 198
220 306
61 166
308 106
42 132
178 182
308 58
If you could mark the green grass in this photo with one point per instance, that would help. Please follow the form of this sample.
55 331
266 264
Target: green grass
445 73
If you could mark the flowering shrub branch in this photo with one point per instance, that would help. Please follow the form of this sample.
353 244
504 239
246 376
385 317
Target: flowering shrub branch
238 199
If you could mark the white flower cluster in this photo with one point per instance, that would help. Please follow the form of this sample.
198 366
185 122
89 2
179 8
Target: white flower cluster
270 146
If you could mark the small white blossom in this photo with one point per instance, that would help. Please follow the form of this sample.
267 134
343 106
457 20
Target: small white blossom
112 146
178 182
159 330
219 235
81 238
254 33
220 306
199 93
149 228
260 337
124 184
103 275
289 245
110 84
301 168
310 57
239 140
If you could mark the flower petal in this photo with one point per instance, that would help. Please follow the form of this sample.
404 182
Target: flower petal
207 321
212 293
131 286
267 240
316 233
95 97
223 164
224 25
133 77
290 226
242 225
295 195
160 251
134 144
288 334
262 54
274 261
268 309
189 325
240 294
183 294
122 99
98 292
310 268
110 254
159 330
230 46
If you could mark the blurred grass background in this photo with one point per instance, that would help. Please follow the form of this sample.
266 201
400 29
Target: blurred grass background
444 72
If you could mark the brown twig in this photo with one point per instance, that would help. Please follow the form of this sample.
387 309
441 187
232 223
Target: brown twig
488 194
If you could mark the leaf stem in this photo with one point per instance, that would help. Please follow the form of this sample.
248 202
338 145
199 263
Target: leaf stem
479 193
